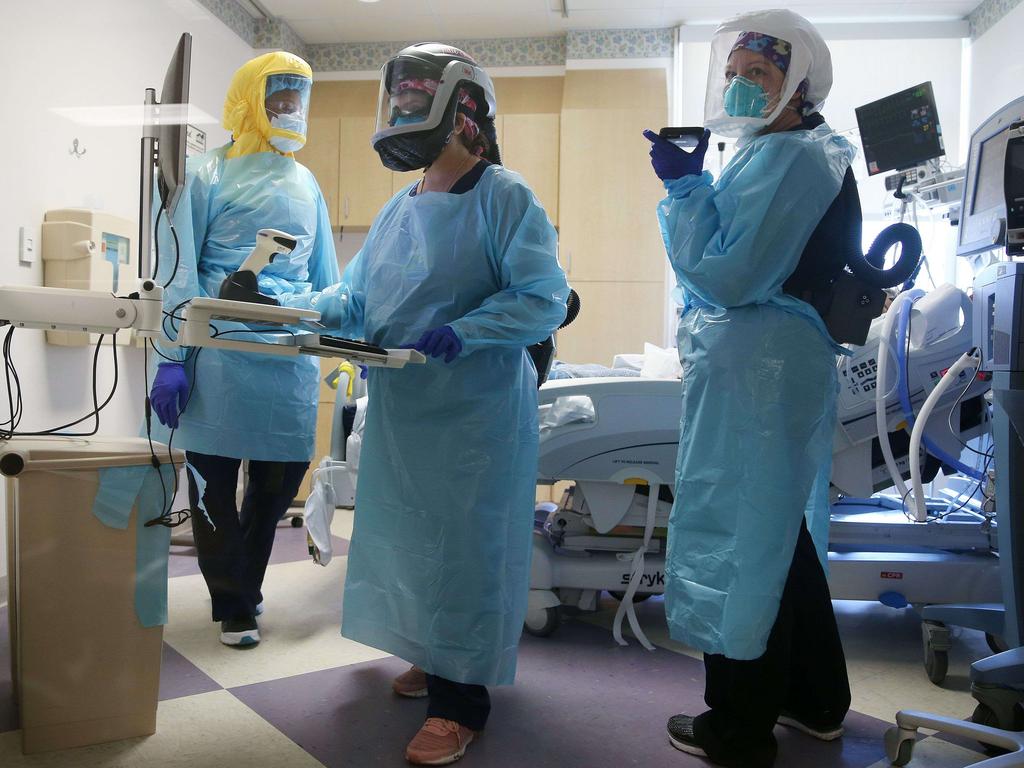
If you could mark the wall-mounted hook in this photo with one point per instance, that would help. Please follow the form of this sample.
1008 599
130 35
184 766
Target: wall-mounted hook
74 149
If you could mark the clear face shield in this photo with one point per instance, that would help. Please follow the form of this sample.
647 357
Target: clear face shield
414 96
751 79
286 101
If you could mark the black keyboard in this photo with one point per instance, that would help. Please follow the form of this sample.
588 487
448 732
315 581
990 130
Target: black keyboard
337 342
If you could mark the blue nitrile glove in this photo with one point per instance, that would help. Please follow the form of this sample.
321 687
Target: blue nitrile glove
364 370
439 342
169 393
671 162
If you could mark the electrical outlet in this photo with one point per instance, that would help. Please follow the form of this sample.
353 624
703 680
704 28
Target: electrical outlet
26 245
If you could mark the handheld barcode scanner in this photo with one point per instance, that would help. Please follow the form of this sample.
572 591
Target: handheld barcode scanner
242 284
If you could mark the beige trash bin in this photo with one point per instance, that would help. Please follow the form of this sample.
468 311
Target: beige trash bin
86 670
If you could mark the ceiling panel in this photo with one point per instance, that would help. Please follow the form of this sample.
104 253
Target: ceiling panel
608 5
322 9
405 28
315 31
523 25
487 7
611 19
339 21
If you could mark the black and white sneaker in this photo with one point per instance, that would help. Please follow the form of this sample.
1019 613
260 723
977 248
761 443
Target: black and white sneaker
680 735
824 733
240 632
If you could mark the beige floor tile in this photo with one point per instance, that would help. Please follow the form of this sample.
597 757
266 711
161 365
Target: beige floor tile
211 729
300 628
935 753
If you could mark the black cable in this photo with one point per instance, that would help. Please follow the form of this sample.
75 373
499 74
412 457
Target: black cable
177 252
168 517
153 458
97 407
949 419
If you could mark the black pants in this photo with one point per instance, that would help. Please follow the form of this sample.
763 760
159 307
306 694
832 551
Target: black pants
468 705
234 553
802 673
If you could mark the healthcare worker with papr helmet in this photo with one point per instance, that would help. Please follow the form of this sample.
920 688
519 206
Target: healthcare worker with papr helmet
231 406
461 265
745 579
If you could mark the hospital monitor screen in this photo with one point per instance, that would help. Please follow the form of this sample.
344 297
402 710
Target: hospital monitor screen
983 210
900 131
171 132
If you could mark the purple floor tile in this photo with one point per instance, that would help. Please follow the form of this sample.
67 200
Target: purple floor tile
579 700
289 547
180 677
8 702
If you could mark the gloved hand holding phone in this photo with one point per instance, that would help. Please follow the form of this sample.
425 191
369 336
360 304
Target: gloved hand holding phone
671 161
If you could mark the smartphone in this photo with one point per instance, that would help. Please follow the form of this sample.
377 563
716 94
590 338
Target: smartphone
684 138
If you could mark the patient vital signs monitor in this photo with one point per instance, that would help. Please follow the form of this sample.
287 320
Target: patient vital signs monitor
900 131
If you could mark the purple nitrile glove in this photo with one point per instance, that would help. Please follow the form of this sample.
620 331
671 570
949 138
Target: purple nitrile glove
439 342
671 162
169 392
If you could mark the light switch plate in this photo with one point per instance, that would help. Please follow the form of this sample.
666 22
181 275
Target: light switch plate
26 246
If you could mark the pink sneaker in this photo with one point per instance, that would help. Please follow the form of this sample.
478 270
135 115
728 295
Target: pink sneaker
439 742
411 684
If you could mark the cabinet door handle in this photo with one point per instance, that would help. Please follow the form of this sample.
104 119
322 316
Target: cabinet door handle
345 207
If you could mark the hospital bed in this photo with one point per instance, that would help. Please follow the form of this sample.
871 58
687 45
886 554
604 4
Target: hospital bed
615 440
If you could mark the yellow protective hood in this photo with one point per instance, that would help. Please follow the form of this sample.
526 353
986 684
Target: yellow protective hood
244 112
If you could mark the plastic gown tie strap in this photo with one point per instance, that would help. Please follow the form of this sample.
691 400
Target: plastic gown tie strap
120 490
200 482
626 607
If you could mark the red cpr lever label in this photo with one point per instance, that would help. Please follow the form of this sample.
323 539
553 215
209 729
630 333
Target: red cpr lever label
892 575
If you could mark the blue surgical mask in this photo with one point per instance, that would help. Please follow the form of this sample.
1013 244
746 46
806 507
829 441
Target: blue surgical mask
408 119
292 123
745 98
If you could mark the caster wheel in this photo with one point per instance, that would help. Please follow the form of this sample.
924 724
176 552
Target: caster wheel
296 522
936 650
936 665
543 622
899 747
637 598
996 643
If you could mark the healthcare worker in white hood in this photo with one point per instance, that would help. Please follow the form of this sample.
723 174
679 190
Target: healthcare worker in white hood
745 579
461 265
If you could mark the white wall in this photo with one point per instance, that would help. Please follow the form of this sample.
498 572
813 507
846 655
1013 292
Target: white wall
100 53
863 71
996 67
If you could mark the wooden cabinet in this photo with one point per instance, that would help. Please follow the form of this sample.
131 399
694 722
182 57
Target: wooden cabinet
321 155
530 147
324 421
615 317
364 183
608 194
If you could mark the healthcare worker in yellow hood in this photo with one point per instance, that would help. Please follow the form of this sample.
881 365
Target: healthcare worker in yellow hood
227 406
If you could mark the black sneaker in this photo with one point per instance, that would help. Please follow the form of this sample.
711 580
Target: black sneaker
240 632
680 735
822 732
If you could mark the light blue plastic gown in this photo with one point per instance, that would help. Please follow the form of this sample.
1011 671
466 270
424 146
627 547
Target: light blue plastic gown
245 405
122 489
759 388
438 571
